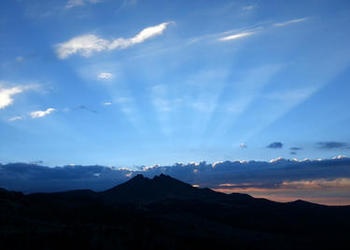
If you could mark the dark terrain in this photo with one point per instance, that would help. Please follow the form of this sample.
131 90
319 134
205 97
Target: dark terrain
164 213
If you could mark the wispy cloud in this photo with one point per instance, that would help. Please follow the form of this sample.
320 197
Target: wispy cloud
289 22
88 44
249 7
320 190
291 95
317 184
105 76
236 36
16 118
41 113
76 3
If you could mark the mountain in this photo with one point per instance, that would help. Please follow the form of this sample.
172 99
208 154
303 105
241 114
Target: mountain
162 187
165 213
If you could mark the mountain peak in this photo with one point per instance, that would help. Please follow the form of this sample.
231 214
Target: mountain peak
143 189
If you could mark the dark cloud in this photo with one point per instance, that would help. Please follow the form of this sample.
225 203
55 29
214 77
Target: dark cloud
295 148
31 178
293 153
332 145
275 145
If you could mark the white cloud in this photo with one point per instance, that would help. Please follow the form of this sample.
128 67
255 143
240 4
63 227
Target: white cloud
87 44
6 95
293 21
105 76
107 103
41 113
237 36
74 3
149 32
77 3
249 7
15 118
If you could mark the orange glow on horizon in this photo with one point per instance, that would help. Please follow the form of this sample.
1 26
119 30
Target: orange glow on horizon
321 191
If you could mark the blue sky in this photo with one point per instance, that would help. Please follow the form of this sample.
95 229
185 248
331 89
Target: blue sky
131 82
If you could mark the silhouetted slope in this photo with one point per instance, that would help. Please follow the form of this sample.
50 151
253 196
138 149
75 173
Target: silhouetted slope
164 213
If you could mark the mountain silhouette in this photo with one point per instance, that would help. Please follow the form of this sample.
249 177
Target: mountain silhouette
165 213
162 187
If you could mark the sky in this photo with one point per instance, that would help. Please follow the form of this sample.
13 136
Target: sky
129 82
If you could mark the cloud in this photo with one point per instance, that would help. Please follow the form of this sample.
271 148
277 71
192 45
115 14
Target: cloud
20 59
243 145
85 45
287 179
290 95
107 103
76 3
105 76
295 148
6 95
15 118
332 145
41 113
88 44
249 7
289 22
317 183
275 145
236 36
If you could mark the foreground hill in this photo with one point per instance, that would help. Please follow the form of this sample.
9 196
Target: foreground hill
165 213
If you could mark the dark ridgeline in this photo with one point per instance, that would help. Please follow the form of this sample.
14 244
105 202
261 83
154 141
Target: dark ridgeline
165 213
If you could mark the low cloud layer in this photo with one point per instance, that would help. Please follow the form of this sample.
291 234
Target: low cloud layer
287 178
88 44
